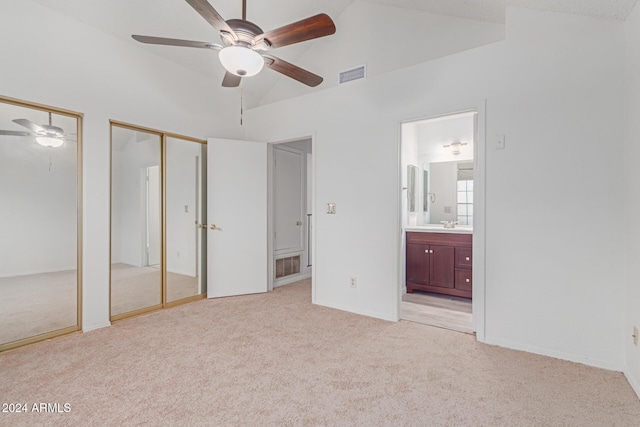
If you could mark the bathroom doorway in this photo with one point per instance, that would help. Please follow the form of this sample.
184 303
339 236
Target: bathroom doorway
441 210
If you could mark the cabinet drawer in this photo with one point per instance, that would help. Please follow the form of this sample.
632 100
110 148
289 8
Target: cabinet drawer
463 279
463 257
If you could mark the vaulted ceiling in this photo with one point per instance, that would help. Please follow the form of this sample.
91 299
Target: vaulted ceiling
383 34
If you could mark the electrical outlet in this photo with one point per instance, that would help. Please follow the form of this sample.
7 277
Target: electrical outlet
353 282
500 142
635 335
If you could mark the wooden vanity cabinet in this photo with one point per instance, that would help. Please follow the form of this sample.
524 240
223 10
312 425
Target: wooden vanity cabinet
439 262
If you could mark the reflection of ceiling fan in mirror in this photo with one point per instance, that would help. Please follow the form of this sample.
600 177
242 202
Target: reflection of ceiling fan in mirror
245 44
46 135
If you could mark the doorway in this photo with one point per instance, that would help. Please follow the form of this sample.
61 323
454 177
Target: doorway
291 207
442 216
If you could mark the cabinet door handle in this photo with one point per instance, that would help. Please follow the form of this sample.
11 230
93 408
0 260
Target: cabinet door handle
426 251
467 280
467 258
431 251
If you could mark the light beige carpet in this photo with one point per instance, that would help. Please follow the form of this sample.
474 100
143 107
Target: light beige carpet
133 288
277 360
35 304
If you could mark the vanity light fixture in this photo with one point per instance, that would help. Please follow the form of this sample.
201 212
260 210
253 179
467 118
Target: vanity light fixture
456 147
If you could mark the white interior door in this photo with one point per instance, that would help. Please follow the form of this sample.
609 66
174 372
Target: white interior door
236 217
288 206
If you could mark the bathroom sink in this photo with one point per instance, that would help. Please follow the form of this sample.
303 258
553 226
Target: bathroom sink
439 228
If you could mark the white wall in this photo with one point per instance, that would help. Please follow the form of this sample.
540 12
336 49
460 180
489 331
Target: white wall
632 223
54 60
434 134
364 36
38 209
554 279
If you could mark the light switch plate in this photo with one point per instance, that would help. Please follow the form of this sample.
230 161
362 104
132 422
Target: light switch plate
500 142
331 208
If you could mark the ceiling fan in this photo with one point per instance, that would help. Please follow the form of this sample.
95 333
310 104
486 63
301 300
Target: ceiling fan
244 43
46 135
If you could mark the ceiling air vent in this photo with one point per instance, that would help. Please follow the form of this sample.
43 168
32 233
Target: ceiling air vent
353 74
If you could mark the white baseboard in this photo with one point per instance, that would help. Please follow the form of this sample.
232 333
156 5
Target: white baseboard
603 364
33 272
87 328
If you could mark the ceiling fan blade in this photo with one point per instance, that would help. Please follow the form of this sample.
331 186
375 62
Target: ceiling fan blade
204 8
175 42
231 80
311 28
293 71
30 125
15 133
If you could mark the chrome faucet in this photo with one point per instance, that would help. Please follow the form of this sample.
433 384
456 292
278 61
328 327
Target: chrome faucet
449 224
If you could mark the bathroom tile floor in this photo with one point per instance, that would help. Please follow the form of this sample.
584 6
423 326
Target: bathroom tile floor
443 311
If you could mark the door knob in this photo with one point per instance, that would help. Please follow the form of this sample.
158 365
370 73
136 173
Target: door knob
213 227
298 223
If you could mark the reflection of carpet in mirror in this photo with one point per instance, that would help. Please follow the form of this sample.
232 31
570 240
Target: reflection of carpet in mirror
133 288
35 304
39 303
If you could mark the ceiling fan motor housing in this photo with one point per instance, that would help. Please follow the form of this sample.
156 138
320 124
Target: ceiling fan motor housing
245 30
53 130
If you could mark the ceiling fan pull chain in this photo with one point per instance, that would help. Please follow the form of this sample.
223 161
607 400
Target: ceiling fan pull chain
241 109
244 10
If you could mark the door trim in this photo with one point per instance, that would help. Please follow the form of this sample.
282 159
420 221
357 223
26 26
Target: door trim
271 210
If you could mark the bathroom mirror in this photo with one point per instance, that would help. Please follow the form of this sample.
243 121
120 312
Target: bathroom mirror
136 221
186 218
40 174
412 187
449 194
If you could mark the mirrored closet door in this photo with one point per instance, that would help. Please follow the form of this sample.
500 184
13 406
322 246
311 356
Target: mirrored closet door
157 211
136 221
186 217
40 152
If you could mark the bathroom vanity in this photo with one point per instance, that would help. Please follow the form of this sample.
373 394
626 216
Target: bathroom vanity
439 260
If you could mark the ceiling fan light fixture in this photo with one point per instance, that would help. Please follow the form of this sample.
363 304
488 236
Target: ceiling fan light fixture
48 141
241 61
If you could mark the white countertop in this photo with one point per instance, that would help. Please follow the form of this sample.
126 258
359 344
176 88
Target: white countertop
435 228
